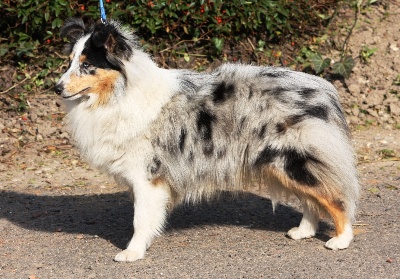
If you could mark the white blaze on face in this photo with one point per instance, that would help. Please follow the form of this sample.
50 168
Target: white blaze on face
74 66
74 57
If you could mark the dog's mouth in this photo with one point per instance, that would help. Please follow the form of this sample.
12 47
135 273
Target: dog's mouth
80 92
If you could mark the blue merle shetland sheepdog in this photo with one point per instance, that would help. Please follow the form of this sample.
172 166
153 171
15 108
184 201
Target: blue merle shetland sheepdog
178 136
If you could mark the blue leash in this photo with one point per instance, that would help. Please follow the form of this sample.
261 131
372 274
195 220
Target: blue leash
102 13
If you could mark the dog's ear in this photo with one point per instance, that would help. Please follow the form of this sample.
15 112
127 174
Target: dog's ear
73 29
112 38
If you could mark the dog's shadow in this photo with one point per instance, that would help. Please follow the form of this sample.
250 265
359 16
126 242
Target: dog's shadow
110 215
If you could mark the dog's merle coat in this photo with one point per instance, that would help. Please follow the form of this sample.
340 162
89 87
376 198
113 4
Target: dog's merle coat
179 135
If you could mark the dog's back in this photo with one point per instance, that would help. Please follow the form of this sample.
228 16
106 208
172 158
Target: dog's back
224 129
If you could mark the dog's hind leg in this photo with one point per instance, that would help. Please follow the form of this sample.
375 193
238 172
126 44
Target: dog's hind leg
336 208
344 231
333 204
308 225
151 199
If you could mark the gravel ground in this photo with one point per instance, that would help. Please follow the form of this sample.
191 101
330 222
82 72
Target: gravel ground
61 219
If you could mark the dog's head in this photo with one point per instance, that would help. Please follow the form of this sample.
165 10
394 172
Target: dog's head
96 56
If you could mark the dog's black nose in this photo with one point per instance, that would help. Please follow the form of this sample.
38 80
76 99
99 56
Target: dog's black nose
59 88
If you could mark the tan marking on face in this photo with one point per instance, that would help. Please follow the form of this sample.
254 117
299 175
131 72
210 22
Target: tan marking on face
101 83
71 56
82 58
158 181
332 202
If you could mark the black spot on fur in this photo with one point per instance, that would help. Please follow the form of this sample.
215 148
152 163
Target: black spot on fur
182 139
261 133
190 156
223 92
221 153
296 167
205 120
307 93
317 111
281 128
208 148
155 166
204 123
294 119
251 93
276 91
266 156
273 74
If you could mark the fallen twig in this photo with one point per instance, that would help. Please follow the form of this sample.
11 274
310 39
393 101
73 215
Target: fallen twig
15 85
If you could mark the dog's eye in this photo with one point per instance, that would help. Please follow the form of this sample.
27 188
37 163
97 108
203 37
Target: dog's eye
85 65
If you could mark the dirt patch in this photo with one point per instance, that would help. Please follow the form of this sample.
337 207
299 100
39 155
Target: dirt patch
62 219
371 95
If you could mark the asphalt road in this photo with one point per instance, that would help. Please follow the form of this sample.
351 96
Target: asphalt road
74 231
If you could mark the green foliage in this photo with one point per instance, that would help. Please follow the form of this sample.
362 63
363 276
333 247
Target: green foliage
396 80
320 65
344 66
31 25
179 29
366 53
387 153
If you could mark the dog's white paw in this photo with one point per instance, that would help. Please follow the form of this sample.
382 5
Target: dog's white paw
128 256
300 233
338 242
341 241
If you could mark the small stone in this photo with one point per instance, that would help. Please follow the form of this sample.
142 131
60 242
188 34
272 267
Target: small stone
394 47
355 111
383 142
39 137
64 135
354 120
354 89
394 109
375 98
373 113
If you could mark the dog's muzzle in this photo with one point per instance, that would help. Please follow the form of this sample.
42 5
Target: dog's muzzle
59 88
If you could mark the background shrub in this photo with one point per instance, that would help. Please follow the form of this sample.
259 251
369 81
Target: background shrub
29 26
173 31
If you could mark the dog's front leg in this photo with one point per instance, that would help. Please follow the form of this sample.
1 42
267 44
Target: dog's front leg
151 199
